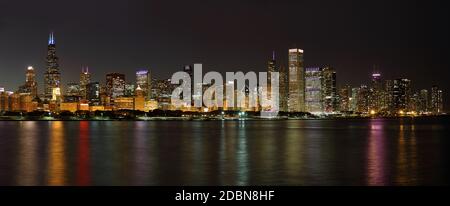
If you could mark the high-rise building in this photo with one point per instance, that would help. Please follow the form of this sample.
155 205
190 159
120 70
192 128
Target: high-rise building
139 99
376 91
389 96
144 81
437 106
52 75
296 102
401 95
271 67
423 104
345 94
354 99
30 86
93 93
85 79
313 90
363 99
329 91
284 89
72 92
115 85
129 90
72 89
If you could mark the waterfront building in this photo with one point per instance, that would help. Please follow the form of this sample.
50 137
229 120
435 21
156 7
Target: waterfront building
124 103
144 81
284 89
345 94
401 95
14 102
354 99
139 99
376 90
363 99
69 106
296 101
30 86
389 96
313 90
423 104
52 75
436 100
85 79
115 85
72 89
93 93
4 101
329 91
129 90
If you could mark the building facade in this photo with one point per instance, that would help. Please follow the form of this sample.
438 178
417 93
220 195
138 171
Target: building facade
296 101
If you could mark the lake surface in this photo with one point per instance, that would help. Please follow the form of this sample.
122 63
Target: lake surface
291 152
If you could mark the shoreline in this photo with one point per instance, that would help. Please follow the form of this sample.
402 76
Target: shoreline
138 119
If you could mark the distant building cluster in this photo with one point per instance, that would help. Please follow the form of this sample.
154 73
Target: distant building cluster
301 89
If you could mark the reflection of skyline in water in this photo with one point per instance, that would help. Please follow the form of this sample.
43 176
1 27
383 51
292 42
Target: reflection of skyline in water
376 154
372 152
56 151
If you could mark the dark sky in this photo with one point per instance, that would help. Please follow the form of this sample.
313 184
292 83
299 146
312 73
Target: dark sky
404 38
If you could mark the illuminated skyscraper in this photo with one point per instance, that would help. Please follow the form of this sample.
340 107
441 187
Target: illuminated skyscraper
329 91
85 79
376 91
72 92
389 96
313 90
345 94
437 106
52 75
30 86
271 67
363 99
144 81
401 95
354 99
423 104
284 89
296 102
129 90
93 93
115 85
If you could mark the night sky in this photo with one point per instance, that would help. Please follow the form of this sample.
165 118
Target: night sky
403 38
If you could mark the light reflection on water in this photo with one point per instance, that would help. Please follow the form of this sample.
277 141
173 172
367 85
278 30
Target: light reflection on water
312 152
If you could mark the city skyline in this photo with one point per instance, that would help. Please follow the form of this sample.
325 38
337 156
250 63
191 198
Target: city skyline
314 90
402 38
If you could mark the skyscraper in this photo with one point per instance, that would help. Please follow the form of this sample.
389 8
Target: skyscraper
423 104
376 89
329 91
313 90
284 89
115 85
401 95
30 86
436 100
85 79
271 67
296 102
93 93
52 75
144 82
345 94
